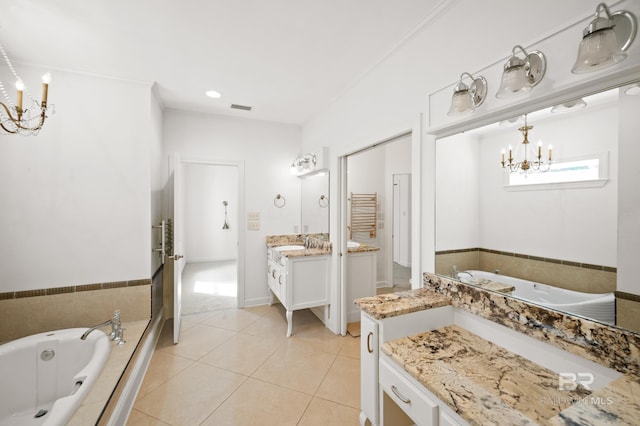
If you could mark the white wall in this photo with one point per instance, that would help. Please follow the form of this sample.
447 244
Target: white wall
206 187
457 193
629 195
76 199
156 176
267 150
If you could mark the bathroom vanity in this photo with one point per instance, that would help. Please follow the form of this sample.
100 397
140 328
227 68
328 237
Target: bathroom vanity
453 354
298 274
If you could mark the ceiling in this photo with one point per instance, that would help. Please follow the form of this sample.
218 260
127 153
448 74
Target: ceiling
288 59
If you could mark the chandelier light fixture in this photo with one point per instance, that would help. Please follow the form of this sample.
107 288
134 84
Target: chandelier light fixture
532 161
468 98
605 40
522 74
23 117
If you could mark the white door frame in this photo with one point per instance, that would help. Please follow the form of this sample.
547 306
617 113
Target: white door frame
240 265
416 214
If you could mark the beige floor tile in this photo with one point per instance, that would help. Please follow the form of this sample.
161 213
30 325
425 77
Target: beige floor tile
137 418
190 396
317 335
322 413
342 382
232 319
199 341
163 366
351 347
243 353
260 403
297 366
198 318
272 323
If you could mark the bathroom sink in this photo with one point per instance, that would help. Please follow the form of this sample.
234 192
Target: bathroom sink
352 244
290 247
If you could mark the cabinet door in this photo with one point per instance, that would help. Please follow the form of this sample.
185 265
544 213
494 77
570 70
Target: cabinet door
369 368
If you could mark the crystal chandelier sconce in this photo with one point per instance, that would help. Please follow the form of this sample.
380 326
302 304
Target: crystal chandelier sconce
24 117
533 161
303 164
468 98
522 74
605 40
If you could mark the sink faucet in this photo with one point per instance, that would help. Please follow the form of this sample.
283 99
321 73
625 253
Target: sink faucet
117 332
464 272
306 241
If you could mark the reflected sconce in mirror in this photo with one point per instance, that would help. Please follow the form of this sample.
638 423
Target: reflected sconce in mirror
633 90
605 39
520 75
468 98
303 164
532 161
226 220
569 106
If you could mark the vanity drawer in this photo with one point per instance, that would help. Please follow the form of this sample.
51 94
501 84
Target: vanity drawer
408 397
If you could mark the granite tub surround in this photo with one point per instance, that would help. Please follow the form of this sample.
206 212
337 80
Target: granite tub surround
480 381
362 248
606 345
400 303
493 285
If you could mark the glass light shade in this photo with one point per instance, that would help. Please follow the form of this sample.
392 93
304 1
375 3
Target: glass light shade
598 50
460 103
514 82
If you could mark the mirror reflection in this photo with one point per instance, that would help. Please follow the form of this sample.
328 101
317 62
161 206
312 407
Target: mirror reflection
315 200
547 235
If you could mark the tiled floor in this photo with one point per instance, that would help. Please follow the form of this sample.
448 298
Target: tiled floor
209 286
236 367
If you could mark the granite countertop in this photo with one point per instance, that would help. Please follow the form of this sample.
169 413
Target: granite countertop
404 302
316 246
487 384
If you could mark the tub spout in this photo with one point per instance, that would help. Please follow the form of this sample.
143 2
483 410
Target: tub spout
116 328
86 333
463 272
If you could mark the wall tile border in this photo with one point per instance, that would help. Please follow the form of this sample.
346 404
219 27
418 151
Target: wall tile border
530 257
73 289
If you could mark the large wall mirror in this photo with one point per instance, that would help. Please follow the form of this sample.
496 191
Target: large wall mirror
314 211
549 237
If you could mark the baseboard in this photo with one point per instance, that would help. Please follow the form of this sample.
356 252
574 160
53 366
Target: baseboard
210 259
385 283
120 412
259 301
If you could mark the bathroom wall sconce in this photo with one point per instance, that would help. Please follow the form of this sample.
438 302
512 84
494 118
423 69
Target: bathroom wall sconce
605 39
468 98
226 220
521 75
303 164
569 106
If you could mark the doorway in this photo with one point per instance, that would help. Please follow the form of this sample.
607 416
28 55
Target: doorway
401 257
211 211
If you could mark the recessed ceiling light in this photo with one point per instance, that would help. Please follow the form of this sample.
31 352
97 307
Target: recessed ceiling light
213 94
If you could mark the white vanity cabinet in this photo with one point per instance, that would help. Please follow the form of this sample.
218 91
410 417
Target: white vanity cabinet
299 282
361 280
388 395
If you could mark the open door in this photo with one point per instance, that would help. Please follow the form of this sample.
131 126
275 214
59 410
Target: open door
175 182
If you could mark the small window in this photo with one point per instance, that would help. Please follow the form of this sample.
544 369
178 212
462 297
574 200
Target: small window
582 172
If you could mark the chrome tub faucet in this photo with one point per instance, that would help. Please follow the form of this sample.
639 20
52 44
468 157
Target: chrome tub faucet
117 332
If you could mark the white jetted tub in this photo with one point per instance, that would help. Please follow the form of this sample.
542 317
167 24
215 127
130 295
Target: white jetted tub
45 377
600 307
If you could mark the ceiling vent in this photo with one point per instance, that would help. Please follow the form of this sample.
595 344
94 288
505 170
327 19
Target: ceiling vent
242 107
